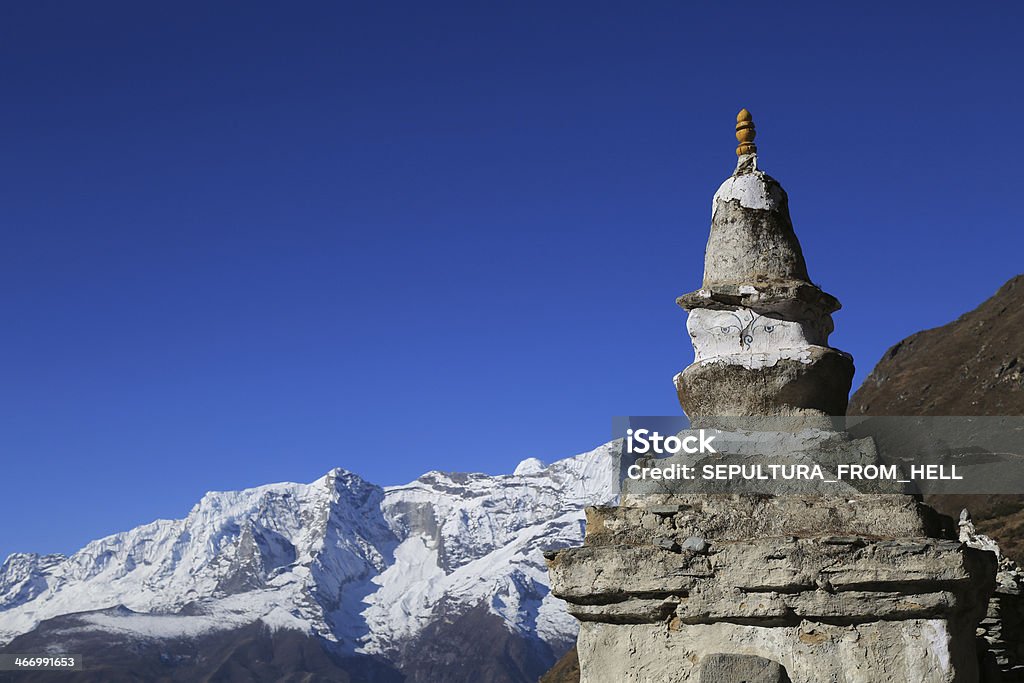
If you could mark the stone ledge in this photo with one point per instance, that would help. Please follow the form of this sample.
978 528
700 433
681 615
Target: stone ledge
774 579
782 296
773 609
735 517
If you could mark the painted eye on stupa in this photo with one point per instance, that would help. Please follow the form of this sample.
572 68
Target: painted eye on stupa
730 329
769 328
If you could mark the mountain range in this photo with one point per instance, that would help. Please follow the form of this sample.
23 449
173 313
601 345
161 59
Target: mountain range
442 579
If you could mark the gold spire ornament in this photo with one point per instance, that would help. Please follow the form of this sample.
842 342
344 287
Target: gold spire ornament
745 133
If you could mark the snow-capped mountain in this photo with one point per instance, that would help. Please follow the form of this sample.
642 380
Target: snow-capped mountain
390 583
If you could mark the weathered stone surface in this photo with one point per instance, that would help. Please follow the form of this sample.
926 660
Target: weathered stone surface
751 232
696 544
730 668
779 579
770 608
918 650
734 517
1001 632
818 383
605 575
793 300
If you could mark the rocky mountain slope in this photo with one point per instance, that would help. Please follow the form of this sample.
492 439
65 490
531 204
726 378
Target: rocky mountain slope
971 366
442 579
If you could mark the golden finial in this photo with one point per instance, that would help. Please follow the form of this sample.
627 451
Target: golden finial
745 133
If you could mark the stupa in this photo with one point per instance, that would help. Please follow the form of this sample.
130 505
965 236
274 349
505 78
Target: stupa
848 584
759 326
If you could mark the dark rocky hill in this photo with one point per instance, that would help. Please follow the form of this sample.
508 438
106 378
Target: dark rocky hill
565 670
971 366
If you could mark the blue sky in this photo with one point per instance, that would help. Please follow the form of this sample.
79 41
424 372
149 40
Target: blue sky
246 243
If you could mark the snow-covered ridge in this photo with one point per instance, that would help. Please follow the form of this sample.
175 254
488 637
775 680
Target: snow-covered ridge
355 563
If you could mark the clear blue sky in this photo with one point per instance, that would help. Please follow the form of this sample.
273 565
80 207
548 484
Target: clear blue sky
248 243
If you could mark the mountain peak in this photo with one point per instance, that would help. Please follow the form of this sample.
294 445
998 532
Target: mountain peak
529 466
363 571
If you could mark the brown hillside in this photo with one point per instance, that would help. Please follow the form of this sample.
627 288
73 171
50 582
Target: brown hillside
565 670
972 366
